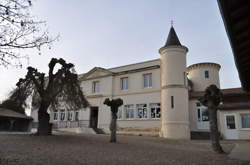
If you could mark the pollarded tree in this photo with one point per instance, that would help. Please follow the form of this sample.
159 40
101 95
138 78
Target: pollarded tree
114 104
61 86
19 30
212 99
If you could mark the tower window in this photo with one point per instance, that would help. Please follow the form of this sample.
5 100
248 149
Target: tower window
206 74
172 101
185 78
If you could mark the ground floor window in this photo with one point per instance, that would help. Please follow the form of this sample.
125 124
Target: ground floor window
70 115
202 113
76 115
230 121
55 114
62 115
142 111
129 111
155 111
245 120
119 113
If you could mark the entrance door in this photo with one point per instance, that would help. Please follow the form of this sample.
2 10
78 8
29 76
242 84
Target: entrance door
203 118
231 131
93 122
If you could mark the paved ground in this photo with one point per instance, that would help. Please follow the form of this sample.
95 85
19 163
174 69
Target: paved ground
241 151
25 149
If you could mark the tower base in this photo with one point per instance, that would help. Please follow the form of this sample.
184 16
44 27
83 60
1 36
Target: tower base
175 130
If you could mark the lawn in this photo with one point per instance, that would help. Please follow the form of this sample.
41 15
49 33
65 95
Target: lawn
64 149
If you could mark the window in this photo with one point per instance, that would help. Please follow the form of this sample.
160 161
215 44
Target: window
129 110
185 78
230 121
147 80
55 115
245 120
155 111
206 74
202 113
142 110
172 102
95 87
76 116
119 114
70 115
124 83
198 104
62 115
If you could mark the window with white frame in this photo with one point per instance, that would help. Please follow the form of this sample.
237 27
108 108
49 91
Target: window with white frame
119 113
245 120
76 115
95 86
202 113
147 80
142 111
70 115
55 115
124 83
155 111
62 115
129 111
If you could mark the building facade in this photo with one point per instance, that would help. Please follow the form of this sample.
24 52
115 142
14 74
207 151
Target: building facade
160 98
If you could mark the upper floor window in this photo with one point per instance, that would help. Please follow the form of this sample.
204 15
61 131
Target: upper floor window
147 80
206 74
124 83
95 87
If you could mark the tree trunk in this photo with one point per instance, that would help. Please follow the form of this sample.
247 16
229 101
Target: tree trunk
113 128
214 133
44 127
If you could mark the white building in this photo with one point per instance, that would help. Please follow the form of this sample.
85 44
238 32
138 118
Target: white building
160 98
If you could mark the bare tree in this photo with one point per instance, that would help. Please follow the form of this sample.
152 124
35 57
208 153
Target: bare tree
18 31
51 91
114 105
211 99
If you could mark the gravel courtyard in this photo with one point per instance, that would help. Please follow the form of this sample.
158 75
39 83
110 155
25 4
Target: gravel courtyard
95 149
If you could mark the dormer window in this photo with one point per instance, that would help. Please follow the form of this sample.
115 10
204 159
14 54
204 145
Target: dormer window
96 87
206 74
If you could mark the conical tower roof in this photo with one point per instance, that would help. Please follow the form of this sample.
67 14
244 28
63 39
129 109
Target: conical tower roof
172 38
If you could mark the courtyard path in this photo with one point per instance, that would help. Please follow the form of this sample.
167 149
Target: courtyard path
86 149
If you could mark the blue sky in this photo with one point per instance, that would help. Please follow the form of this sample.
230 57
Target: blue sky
109 33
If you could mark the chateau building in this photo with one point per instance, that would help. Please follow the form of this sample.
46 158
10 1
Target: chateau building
160 98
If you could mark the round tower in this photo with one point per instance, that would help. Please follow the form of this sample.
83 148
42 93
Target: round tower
174 89
204 74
